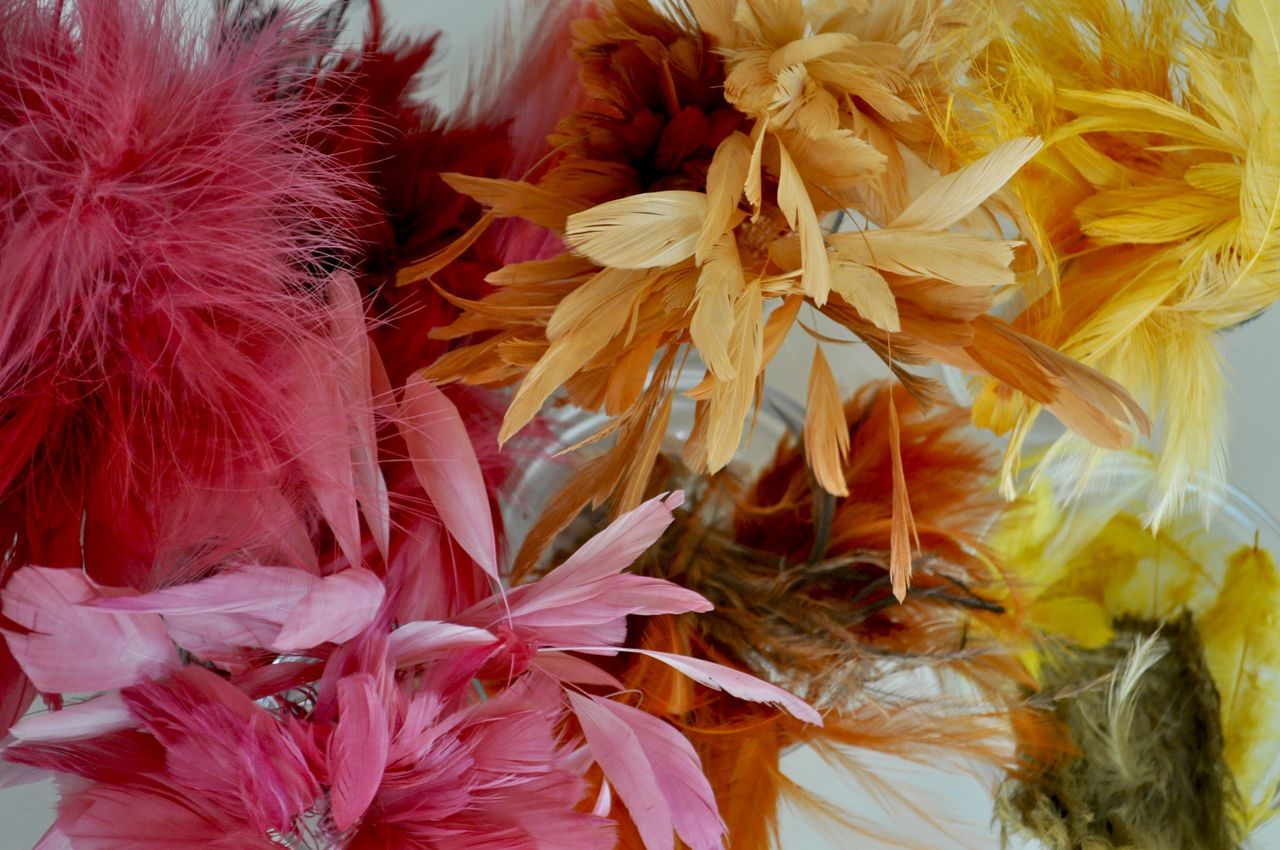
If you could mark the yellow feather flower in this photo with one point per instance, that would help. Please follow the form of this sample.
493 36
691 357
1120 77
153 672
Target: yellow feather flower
1154 205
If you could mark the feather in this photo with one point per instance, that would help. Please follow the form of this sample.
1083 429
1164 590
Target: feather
640 232
731 399
93 717
720 284
357 750
66 646
418 642
276 607
726 179
953 257
335 609
902 523
739 684
1242 652
796 206
445 463
826 434
959 193
866 291
654 771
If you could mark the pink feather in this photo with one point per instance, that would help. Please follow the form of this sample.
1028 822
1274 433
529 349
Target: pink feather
96 716
69 647
358 749
419 642
254 606
221 746
655 771
587 598
735 682
445 462
336 608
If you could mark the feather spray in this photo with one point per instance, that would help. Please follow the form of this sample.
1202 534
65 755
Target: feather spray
689 190
803 593
1155 205
169 324
487 729
1099 586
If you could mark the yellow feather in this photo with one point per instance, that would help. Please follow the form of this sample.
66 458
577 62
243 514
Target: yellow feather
1241 636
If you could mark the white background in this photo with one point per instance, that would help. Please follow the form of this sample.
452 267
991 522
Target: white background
961 803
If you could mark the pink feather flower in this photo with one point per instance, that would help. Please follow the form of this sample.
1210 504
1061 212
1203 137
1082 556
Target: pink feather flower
166 331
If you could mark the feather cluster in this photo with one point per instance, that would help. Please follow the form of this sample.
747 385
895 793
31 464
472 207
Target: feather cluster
1154 205
803 590
690 189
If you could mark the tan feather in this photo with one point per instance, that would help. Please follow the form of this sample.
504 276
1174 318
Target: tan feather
726 178
508 198
650 230
902 524
797 207
567 355
584 305
719 285
959 193
954 257
826 433
731 400
866 291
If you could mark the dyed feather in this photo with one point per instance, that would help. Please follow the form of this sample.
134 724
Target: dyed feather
1155 206
1150 771
164 312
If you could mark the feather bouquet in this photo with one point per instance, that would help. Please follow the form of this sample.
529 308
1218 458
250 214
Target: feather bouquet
689 187
1154 205
270 324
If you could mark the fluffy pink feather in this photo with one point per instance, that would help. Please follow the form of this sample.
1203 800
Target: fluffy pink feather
165 334
222 747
